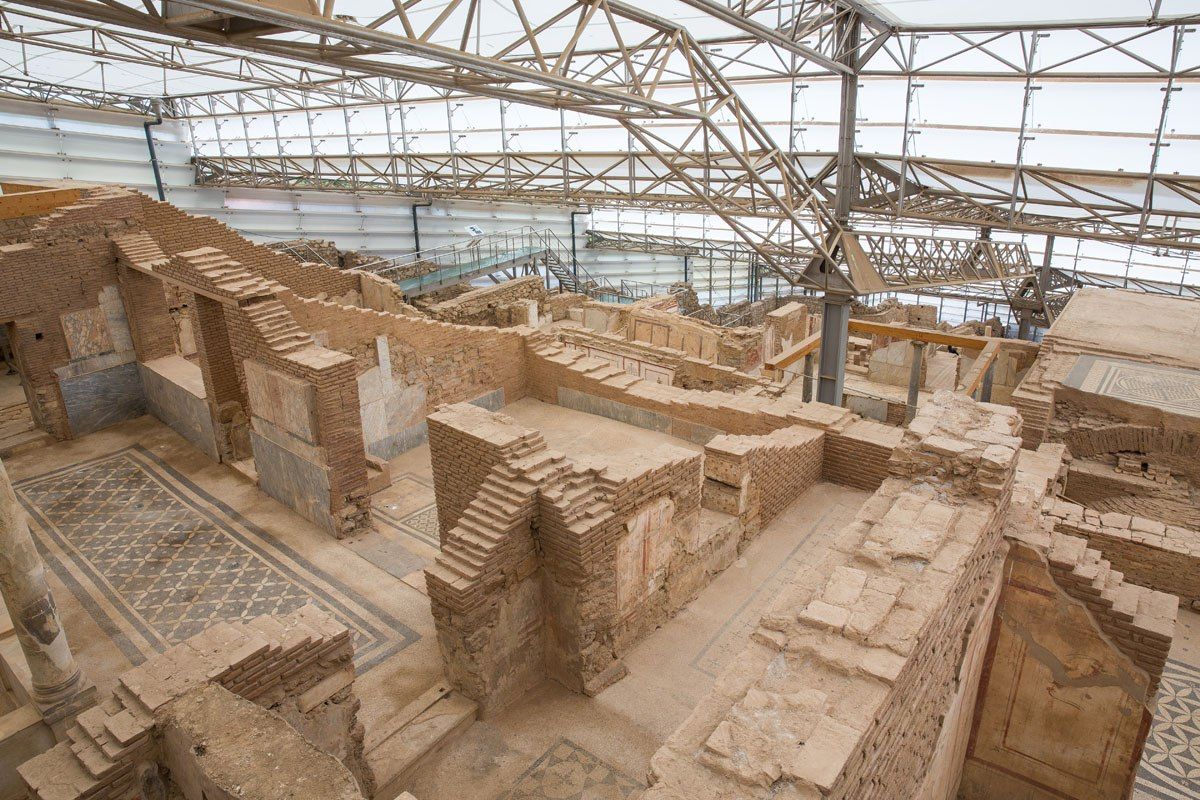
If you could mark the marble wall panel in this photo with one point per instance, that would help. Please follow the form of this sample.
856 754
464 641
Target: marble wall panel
103 397
286 402
86 332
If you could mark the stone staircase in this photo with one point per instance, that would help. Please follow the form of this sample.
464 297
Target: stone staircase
139 251
277 327
108 739
18 433
222 276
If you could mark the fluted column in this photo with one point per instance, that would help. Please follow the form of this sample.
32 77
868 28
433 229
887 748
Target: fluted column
58 685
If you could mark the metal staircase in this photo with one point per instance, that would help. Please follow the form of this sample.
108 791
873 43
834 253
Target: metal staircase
525 247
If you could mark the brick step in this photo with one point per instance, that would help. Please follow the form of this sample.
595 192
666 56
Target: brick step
466 551
460 568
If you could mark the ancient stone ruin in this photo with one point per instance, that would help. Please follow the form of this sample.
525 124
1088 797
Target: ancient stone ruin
273 527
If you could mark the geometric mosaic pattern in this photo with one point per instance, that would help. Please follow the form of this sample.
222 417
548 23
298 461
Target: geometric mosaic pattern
1170 768
169 561
1145 384
422 525
424 522
568 772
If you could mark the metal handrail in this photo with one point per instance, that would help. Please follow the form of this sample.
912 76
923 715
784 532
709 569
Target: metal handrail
450 262
303 252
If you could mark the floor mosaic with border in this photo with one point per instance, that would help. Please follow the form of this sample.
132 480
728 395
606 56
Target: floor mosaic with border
569 772
1170 768
155 559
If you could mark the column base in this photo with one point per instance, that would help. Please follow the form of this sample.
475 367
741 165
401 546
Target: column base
65 702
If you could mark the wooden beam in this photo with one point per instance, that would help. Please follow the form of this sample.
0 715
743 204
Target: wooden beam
934 336
974 379
794 353
30 204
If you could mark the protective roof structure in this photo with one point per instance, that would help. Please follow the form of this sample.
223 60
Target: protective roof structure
1070 118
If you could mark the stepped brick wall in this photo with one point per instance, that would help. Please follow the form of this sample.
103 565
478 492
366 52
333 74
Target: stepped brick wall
1148 552
757 477
573 379
465 443
550 568
662 364
176 231
299 664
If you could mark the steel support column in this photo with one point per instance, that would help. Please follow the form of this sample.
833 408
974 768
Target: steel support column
914 380
835 322
835 331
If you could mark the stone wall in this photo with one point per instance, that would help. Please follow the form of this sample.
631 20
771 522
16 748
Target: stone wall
664 365
849 679
784 327
740 348
1151 492
217 746
493 305
856 450
299 665
892 363
175 394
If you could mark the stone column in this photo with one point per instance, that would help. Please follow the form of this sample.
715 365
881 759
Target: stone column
59 688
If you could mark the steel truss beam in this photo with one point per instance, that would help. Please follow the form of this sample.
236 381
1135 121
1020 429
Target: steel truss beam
1151 209
763 36
39 92
738 149
1086 204
904 262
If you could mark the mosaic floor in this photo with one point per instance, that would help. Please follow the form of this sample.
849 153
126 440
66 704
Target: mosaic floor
1146 384
568 772
1170 767
154 559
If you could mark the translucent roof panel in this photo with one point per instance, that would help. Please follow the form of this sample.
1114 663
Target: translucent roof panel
950 13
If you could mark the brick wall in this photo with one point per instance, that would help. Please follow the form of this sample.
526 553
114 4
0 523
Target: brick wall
858 455
300 664
453 362
757 477
1149 552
